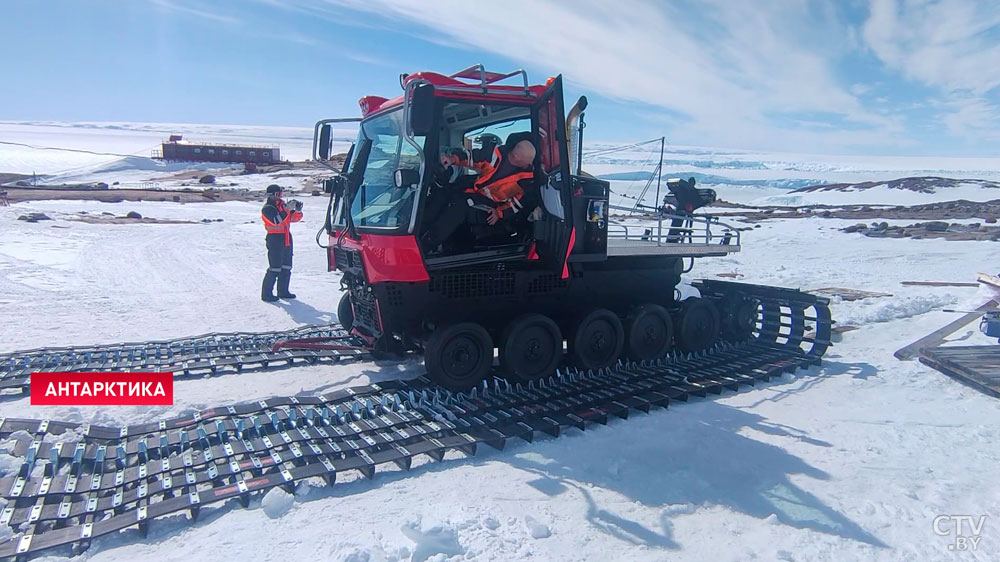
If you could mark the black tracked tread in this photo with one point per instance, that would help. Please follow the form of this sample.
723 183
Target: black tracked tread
615 394
185 357
415 419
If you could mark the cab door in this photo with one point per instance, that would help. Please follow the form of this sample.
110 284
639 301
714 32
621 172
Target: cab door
554 232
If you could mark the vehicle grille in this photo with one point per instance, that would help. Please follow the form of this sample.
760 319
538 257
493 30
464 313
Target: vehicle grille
473 285
346 258
546 283
365 309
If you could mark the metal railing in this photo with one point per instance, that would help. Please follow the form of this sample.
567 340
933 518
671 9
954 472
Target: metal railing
478 72
483 82
681 228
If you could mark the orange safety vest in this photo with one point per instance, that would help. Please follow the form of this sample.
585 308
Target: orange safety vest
506 191
283 227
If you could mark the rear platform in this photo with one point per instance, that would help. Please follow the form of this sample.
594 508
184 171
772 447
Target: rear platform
625 247
674 234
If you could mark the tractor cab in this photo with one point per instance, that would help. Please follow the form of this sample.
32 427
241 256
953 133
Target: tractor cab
395 180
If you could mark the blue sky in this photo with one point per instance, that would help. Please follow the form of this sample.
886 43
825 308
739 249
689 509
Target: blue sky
849 76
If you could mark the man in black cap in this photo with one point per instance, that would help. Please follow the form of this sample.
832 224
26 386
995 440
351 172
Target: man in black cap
278 217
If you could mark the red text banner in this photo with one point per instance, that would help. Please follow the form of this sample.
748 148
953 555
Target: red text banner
102 389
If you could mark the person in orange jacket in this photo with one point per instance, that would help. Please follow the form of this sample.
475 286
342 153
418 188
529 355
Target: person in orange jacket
496 193
278 217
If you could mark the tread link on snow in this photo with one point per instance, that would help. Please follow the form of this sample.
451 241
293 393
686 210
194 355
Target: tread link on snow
192 356
78 482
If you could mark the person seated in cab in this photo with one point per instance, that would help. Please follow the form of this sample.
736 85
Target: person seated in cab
499 192
455 163
489 149
454 175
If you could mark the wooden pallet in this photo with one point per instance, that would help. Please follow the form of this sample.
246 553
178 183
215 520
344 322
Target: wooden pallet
976 365
938 336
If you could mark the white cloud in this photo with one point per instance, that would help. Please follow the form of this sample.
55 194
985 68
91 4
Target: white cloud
948 45
170 6
762 74
973 119
742 64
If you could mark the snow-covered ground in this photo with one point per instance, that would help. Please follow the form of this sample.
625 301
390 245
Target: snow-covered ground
766 178
101 142
120 152
849 461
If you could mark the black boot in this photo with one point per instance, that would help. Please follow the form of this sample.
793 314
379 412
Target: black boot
267 287
283 278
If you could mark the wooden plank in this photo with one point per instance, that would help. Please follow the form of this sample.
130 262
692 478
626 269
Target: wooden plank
938 284
976 366
991 281
937 337
848 294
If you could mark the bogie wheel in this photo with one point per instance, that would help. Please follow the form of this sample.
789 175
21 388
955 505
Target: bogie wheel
649 332
597 340
697 325
345 312
459 356
531 347
740 319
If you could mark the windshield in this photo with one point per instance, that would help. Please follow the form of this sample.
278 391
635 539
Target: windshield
377 202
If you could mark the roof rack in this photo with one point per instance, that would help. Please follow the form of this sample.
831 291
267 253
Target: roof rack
479 74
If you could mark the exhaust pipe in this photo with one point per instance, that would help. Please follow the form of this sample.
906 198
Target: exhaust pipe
574 134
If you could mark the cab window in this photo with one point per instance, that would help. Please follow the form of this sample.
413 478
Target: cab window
377 202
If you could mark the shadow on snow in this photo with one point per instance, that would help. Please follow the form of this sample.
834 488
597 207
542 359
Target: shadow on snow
702 455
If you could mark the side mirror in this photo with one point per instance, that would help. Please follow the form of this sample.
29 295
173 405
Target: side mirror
422 110
325 136
334 185
405 177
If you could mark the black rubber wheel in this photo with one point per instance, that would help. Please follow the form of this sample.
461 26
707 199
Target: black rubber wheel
345 312
459 357
649 332
531 347
698 325
740 321
597 340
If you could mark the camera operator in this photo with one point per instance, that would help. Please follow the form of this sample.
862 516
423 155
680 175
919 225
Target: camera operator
278 217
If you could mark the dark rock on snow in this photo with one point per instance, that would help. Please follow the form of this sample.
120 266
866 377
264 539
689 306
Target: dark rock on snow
34 217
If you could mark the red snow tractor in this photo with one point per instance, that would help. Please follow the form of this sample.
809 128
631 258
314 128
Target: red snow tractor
556 282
